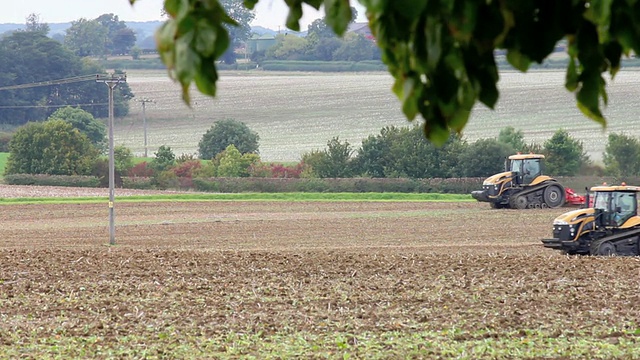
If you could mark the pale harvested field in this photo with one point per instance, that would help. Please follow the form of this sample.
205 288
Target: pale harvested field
297 112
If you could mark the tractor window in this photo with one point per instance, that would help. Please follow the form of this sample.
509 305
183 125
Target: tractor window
516 165
624 205
601 200
531 170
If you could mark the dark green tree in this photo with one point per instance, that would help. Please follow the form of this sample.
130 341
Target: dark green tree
622 155
30 57
82 120
374 157
483 158
565 156
224 133
510 136
53 147
333 162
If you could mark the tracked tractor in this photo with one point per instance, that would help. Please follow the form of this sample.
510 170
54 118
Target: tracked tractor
522 185
611 226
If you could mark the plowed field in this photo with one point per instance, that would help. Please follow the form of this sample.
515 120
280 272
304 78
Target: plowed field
305 280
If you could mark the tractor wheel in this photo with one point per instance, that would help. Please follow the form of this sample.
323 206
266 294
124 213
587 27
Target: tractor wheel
605 248
521 202
553 196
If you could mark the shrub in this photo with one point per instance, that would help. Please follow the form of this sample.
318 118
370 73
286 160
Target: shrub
53 147
186 169
164 159
565 155
622 155
52 180
82 120
142 170
123 158
230 163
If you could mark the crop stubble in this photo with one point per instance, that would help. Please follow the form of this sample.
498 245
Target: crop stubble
205 269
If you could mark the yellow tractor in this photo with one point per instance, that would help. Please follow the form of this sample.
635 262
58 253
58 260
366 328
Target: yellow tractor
522 185
609 225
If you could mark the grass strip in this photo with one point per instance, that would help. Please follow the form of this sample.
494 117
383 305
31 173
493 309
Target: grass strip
340 345
246 197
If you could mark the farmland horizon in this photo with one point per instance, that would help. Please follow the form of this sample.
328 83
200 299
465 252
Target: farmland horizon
294 113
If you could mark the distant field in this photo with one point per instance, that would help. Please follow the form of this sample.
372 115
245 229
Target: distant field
297 112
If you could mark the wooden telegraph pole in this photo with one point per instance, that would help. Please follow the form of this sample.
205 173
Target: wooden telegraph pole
112 81
144 102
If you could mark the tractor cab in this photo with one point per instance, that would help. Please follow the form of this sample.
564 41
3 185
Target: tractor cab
526 167
614 205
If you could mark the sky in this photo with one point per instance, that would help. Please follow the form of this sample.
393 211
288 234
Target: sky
269 13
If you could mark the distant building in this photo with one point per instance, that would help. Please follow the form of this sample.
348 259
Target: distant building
361 28
260 42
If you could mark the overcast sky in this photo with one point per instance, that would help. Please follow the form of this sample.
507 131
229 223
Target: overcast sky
269 13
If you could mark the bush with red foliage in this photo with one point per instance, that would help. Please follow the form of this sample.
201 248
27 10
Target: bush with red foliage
186 168
141 170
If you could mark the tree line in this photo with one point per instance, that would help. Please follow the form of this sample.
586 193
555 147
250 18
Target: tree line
72 142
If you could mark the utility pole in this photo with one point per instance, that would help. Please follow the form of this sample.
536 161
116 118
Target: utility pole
111 81
144 102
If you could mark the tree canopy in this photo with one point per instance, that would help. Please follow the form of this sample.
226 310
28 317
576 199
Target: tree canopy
441 53
28 57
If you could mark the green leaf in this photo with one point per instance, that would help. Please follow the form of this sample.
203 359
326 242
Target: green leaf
410 97
435 131
250 4
338 15
207 77
205 40
295 14
589 94
410 9
571 79
518 60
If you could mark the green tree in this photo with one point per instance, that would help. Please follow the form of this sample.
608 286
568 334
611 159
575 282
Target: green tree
441 53
53 147
87 38
355 47
288 47
164 159
415 157
82 120
120 38
35 25
510 136
232 163
337 160
565 156
224 133
483 158
30 57
123 158
622 155
374 157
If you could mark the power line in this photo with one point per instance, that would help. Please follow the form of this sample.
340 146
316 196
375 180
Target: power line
48 106
52 82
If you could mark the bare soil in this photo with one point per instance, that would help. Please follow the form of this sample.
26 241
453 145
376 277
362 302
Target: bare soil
206 268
